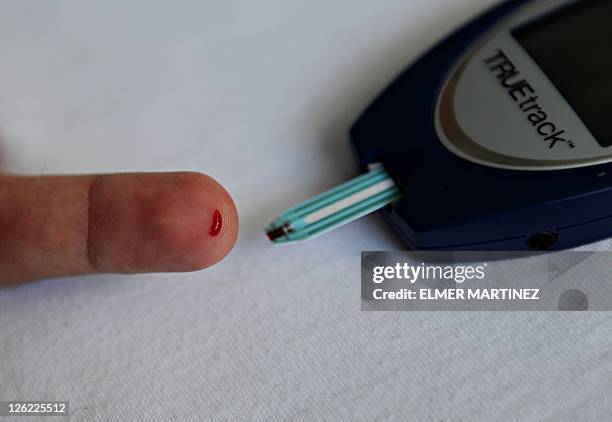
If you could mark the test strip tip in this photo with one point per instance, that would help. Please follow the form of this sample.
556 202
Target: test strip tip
275 234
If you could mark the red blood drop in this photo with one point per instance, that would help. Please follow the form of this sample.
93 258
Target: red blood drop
217 223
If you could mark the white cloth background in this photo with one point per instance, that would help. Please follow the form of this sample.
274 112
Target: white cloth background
260 95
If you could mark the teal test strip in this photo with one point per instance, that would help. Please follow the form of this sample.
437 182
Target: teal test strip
336 207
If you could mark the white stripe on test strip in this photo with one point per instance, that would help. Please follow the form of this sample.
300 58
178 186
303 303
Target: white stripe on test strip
348 201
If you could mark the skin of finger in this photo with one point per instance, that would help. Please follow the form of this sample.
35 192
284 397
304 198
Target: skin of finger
126 223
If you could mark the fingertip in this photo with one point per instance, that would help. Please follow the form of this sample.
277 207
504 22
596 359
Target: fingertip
219 232
171 222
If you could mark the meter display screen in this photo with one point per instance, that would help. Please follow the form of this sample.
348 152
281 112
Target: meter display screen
573 47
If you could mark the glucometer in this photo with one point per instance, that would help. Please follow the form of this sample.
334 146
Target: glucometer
498 138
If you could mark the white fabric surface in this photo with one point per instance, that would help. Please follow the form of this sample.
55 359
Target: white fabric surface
259 95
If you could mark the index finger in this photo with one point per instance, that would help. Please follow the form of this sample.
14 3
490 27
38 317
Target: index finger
124 223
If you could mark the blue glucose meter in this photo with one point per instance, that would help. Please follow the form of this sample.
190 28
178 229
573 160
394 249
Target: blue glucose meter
500 137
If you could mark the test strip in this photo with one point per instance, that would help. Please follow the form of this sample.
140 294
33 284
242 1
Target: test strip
336 207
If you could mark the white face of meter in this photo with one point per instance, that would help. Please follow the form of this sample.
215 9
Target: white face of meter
500 107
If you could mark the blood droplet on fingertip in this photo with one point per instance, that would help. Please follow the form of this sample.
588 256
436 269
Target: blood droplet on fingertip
217 223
